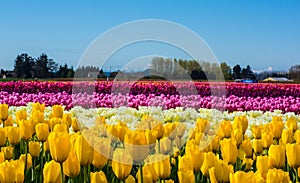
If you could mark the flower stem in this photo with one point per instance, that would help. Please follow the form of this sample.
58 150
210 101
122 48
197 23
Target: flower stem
62 172
297 178
141 172
85 174
42 163
25 169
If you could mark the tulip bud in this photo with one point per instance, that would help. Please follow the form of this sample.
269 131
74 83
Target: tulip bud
184 163
3 112
38 107
240 122
209 162
2 157
75 125
59 144
292 154
8 152
84 151
61 128
9 121
136 144
57 111
52 172
225 129
247 147
29 160
186 176
170 130
42 131
130 179
102 152
257 146
278 175
237 136
287 136
297 136
256 131
276 127
71 166
122 163
26 129
67 119
229 150
34 149
262 163
202 125
241 176
221 171
196 155
267 138
98 177
165 145
21 115
291 123
2 137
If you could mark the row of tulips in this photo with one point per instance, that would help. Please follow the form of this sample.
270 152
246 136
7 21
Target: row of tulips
157 88
52 145
231 103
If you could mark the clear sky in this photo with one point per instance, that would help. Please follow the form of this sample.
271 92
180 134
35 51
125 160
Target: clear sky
260 33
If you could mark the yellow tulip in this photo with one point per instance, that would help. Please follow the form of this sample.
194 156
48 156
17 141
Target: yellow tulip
38 107
84 151
26 129
161 164
193 151
42 131
67 119
225 129
267 138
287 136
52 172
247 147
184 163
202 125
186 176
241 176
237 135
130 179
8 152
149 168
170 130
7 172
71 166
278 175
291 123
248 162
59 144
19 170
9 121
292 155
37 117
2 137
3 112
240 122
52 122
276 127
98 177
21 115
158 129
256 131
209 162
117 131
221 171
57 111
34 149
75 125
46 146
297 136
102 151
61 128
29 160
2 157
165 145
147 176
262 163
229 150
122 163
181 128
136 144
257 146
277 156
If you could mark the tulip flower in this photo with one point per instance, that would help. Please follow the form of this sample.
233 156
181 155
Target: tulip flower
277 156
2 137
257 146
84 151
186 176
221 171
21 115
267 138
276 127
37 117
34 149
71 166
26 129
19 170
193 151
7 172
202 125
27 161
241 176
146 175
248 162
292 155
262 163
130 179
277 175
150 172
161 164
61 128
247 147
287 136
209 162
256 131
291 123
117 131
42 131
3 112
57 111
170 130
51 172
52 122
237 135
225 129
75 125
38 107
67 119
184 163
2 157
297 136
98 177
59 144
229 150
122 163
157 128
165 145
102 151
9 121
8 152
136 144
240 122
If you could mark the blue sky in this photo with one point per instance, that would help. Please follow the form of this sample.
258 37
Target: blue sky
260 33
